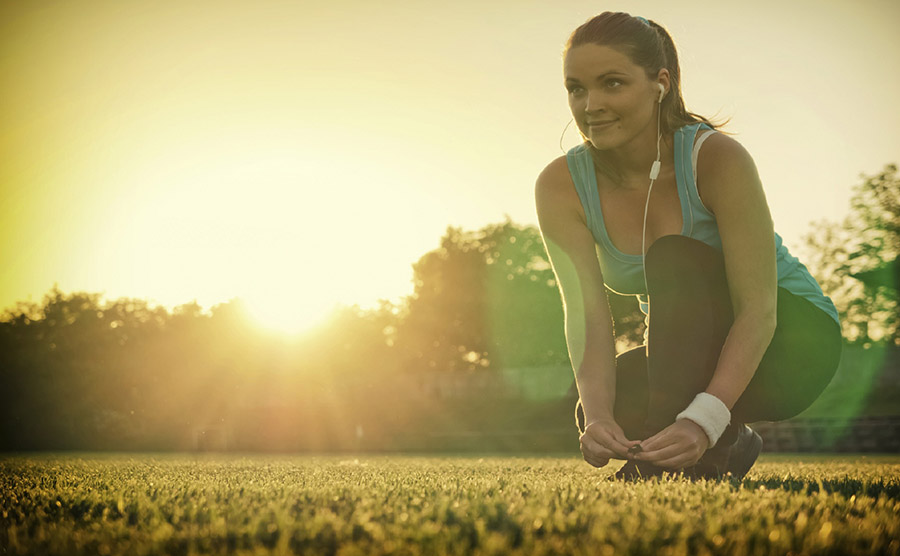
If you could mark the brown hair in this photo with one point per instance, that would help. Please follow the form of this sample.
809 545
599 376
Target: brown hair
649 46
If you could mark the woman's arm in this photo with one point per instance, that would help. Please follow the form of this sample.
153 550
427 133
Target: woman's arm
589 331
733 192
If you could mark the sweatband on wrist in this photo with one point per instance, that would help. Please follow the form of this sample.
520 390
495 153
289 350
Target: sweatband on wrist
710 413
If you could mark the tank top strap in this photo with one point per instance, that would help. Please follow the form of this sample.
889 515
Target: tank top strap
581 168
685 175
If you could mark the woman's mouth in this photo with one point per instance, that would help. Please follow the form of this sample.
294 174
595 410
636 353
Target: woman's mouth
600 124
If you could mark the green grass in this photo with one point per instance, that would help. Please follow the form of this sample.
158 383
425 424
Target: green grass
177 504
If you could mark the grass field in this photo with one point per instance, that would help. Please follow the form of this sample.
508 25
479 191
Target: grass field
177 504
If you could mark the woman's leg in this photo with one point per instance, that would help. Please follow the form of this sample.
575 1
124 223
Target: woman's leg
630 410
799 363
690 317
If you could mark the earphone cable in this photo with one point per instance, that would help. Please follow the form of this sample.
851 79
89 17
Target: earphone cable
654 173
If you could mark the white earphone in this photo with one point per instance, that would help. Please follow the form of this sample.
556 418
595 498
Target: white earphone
654 173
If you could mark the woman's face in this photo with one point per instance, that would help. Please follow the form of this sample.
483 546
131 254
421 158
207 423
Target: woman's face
612 100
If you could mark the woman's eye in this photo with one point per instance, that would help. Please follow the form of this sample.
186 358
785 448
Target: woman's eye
613 83
574 89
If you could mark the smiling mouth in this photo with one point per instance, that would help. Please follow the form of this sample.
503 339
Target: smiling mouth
600 124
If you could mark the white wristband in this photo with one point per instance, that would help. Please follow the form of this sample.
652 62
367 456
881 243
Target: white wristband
710 413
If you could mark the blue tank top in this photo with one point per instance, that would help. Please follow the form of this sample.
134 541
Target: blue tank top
624 273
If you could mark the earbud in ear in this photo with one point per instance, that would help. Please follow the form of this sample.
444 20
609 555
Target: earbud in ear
662 91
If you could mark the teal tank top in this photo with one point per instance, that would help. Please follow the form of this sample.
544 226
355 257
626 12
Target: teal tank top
624 273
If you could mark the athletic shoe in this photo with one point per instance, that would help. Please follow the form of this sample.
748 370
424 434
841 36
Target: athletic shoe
713 464
735 460
743 452
637 471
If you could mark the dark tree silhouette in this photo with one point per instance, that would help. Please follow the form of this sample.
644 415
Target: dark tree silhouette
488 299
855 261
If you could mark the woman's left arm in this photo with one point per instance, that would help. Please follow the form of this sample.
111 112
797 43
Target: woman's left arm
731 189
733 192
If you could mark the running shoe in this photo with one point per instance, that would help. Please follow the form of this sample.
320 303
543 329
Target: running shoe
743 452
734 460
638 471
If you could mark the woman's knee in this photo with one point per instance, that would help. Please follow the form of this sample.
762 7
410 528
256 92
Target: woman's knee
673 257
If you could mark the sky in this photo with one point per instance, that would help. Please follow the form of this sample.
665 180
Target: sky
304 154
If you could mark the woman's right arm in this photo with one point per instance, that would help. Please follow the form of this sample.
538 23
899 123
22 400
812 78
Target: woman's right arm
589 330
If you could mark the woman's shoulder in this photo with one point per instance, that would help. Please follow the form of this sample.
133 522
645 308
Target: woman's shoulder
557 175
723 162
555 194
555 179
721 152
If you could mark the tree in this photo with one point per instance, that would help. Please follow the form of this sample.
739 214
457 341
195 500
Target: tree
488 299
855 262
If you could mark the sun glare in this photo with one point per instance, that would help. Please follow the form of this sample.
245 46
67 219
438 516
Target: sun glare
278 313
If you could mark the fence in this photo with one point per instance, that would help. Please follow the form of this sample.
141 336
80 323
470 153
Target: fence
865 434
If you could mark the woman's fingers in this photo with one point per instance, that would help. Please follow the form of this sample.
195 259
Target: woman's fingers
590 445
672 448
661 454
680 432
617 443
619 435
593 452
658 441
602 441
674 456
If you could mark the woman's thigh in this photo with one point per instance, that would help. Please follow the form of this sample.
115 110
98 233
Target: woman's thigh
797 366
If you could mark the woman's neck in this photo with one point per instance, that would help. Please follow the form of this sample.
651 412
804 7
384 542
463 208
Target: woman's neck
631 163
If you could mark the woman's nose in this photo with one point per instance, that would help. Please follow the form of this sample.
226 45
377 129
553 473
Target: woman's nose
593 102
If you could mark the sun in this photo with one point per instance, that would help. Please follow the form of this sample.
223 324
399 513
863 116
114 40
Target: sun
278 312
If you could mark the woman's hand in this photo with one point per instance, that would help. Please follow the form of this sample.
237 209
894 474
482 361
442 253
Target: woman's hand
603 440
677 446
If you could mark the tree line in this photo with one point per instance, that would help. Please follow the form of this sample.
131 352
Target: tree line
79 372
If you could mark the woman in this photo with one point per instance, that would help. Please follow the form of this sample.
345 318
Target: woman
739 331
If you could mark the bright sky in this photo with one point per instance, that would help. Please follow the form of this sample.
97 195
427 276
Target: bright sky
302 154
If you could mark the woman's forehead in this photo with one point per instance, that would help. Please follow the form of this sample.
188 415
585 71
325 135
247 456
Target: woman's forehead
591 60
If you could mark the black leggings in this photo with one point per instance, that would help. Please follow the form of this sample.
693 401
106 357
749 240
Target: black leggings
691 316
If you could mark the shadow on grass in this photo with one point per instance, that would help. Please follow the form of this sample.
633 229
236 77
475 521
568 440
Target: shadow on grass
847 487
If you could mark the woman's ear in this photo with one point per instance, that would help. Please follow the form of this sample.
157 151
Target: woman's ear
662 78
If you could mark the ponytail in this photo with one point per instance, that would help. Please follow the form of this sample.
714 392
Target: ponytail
676 113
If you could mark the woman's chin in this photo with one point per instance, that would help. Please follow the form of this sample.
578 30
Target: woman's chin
601 143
